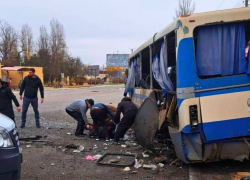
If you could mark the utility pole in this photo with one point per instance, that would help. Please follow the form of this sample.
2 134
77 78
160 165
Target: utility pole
246 3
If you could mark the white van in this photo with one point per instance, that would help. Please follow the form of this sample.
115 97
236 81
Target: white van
10 152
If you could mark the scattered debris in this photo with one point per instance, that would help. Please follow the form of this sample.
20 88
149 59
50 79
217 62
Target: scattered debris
134 172
113 161
160 159
28 146
150 166
145 155
71 146
89 158
241 176
105 148
95 147
81 148
123 146
126 169
161 165
76 151
177 162
97 156
68 133
52 164
138 164
37 137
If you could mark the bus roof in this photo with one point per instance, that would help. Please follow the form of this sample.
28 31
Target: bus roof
194 20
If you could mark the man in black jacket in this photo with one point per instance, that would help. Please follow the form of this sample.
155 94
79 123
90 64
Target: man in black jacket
30 86
6 98
129 111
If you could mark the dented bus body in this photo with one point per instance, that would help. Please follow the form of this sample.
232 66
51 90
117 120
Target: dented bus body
208 111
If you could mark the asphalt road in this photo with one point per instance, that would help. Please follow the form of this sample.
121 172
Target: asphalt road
50 160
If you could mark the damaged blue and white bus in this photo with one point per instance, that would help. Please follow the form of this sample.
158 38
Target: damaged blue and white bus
193 80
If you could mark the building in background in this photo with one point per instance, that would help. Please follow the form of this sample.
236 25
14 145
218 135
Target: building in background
116 64
15 75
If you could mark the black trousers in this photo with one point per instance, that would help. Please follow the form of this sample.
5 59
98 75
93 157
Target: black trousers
81 124
126 122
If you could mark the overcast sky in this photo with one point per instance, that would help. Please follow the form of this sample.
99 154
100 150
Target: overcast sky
95 28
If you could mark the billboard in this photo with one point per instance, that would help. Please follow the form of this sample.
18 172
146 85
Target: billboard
93 70
117 60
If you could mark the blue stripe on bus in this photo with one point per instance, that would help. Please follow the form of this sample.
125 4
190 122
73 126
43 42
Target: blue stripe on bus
220 130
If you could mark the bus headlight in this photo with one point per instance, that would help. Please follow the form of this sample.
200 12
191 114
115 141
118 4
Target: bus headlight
193 115
5 139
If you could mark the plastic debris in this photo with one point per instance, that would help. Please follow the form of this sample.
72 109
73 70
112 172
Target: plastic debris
137 164
134 172
95 147
89 158
150 166
145 155
68 133
161 165
97 156
126 169
105 148
123 146
76 151
28 146
81 148
52 164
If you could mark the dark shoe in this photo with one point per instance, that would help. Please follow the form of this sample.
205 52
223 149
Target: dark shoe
97 138
22 126
38 126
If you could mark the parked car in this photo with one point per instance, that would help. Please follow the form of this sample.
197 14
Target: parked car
10 152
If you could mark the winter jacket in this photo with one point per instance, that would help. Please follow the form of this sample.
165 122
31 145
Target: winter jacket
125 107
81 107
6 97
30 87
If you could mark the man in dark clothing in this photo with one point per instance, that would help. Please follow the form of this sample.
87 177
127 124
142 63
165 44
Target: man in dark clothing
129 111
6 98
110 127
99 113
30 86
78 109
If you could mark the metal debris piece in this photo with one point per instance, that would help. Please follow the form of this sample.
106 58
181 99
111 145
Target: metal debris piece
101 160
126 169
150 166
76 151
145 155
161 165
113 161
81 148
37 137
97 156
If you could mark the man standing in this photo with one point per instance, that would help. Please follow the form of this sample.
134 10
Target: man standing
78 109
129 111
30 86
6 98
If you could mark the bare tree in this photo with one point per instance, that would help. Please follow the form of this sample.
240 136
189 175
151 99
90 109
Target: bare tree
8 43
26 40
57 48
185 7
43 52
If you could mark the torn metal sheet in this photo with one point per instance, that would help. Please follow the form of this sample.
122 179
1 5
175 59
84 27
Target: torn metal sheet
101 161
146 124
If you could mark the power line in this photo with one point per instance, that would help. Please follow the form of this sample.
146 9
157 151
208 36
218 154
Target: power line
238 4
220 4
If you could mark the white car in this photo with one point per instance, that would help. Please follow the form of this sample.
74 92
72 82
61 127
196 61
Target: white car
10 152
